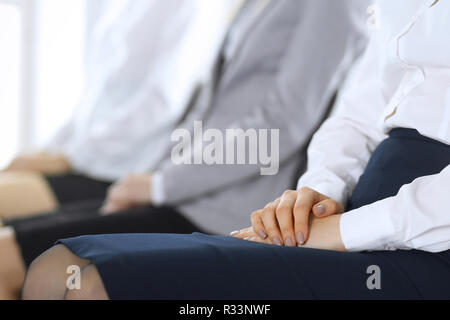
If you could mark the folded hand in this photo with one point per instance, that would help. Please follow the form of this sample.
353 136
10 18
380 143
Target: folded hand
130 192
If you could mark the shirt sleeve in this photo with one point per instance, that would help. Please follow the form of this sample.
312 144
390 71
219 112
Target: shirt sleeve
414 219
301 90
341 149
157 189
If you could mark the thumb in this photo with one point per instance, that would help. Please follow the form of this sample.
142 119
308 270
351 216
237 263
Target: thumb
327 208
108 208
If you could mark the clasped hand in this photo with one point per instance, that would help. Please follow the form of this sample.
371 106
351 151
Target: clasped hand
298 218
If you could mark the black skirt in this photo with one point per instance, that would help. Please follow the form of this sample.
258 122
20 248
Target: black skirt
75 188
78 214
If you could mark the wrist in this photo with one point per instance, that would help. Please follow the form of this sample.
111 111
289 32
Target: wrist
325 234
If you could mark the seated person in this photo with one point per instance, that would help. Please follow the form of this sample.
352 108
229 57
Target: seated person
284 86
385 157
139 86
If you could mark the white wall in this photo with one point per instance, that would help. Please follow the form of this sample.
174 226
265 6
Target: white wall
10 48
41 69
60 64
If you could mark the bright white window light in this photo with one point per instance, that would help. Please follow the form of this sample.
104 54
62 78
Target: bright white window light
59 64
10 57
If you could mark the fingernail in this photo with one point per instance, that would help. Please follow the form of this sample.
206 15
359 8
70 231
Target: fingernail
320 209
289 242
300 238
277 241
234 233
262 234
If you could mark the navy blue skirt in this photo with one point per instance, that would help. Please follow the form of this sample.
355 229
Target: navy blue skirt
147 266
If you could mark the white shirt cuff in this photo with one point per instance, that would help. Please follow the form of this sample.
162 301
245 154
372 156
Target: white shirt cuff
369 228
157 189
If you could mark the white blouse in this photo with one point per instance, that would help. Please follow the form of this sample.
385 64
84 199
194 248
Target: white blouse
145 60
403 81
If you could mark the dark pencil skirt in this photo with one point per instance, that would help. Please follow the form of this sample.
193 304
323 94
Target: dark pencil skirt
81 198
147 266
74 188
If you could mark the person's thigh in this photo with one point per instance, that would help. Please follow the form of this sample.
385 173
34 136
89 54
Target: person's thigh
144 266
12 269
24 194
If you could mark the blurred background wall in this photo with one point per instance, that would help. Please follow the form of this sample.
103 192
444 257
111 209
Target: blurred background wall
42 47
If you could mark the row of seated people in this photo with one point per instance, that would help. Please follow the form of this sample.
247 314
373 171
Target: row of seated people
373 193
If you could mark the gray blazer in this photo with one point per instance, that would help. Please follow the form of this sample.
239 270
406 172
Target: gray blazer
282 75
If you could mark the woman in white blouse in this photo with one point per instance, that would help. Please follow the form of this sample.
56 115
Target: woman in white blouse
146 61
374 198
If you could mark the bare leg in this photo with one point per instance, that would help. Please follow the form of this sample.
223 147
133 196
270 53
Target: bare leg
47 276
12 268
92 287
24 194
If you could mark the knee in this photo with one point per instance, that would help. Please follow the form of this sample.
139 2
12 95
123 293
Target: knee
47 276
12 267
90 286
16 186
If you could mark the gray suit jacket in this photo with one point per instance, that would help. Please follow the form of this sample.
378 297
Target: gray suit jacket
282 75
